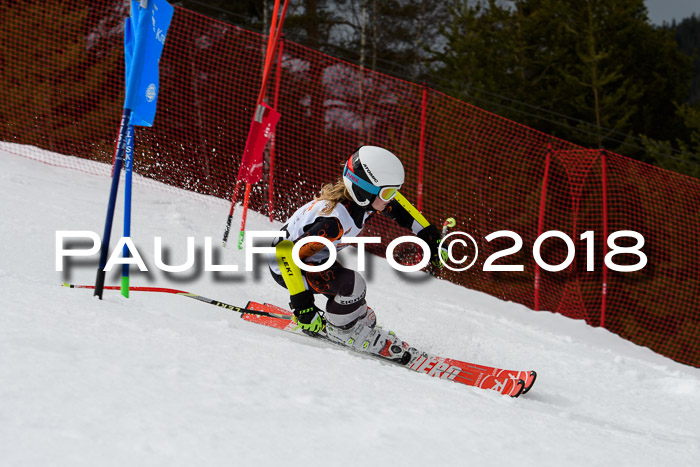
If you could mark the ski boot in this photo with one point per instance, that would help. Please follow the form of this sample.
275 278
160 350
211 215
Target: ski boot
363 335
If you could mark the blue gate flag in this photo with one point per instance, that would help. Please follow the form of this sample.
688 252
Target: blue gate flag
129 38
144 38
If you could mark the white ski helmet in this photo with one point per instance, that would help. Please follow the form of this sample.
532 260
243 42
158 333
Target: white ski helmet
370 172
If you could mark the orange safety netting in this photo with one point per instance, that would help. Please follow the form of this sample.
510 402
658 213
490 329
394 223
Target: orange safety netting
62 89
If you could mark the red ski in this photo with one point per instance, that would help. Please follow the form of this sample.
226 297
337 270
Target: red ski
507 382
512 383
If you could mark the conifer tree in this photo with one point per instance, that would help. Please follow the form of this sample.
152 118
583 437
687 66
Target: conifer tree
594 72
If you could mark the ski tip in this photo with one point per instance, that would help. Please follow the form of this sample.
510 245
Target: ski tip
519 388
530 381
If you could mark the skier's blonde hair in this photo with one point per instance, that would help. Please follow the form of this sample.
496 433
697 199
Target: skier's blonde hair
334 193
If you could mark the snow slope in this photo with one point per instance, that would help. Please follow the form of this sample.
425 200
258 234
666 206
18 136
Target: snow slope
163 380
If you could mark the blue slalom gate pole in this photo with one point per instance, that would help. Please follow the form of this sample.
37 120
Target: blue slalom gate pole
144 39
128 172
116 172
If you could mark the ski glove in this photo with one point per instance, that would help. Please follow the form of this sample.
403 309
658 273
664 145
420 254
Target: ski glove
306 315
432 237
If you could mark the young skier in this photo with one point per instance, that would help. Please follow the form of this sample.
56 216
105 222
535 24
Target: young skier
371 179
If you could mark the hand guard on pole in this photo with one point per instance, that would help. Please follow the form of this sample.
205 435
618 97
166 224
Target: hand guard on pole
306 314
431 235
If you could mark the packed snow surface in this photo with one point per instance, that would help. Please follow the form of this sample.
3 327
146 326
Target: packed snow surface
164 380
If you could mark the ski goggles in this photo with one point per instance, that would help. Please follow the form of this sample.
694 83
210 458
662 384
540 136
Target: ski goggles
385 193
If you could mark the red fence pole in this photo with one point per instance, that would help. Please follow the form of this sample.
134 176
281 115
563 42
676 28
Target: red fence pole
421 148
605 239
540 222
271 187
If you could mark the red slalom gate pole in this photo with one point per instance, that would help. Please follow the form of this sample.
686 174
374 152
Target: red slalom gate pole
234 198
241 234
275 32
271 178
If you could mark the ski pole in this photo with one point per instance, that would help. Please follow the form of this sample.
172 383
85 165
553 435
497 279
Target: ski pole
200 298
449 223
